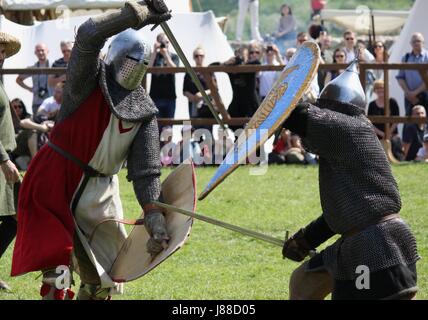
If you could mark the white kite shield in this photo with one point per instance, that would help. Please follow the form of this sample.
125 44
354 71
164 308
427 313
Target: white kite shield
133 260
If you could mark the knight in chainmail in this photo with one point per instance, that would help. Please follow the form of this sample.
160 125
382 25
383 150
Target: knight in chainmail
71 186
375 257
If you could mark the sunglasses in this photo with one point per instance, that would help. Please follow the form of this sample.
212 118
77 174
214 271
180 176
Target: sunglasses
348 39
379 46
252 52
340 56
199 56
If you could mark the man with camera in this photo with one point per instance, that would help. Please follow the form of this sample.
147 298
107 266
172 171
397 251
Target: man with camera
162 89
40 88
245 99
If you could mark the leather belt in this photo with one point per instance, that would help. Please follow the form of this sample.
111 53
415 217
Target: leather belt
87 169
371 223
88 172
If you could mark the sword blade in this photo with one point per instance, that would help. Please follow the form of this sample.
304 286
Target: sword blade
225 225
192 72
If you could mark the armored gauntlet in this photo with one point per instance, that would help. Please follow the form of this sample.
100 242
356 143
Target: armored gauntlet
149 12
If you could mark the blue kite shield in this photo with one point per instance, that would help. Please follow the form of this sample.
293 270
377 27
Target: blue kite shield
292 84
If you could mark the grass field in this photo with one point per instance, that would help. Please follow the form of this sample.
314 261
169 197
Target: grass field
219 264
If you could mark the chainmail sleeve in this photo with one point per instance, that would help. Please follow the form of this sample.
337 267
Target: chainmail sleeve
144 163
84 65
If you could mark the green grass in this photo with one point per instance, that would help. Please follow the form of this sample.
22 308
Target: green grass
220 264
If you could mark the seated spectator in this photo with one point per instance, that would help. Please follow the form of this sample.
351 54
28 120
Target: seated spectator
339 57
377 108
268 78
286 34
26 132
54 79
422 154
413 134
352 49
21 113
197 106
50 106
245 100
21 156
296 154
415 92
281 145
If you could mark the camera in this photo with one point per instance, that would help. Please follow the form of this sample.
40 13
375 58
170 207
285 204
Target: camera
42 92
269 48
162 45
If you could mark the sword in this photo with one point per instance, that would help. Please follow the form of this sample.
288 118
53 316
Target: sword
225 225
192 73
250 233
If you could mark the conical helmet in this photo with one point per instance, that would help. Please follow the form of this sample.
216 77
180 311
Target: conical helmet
346 88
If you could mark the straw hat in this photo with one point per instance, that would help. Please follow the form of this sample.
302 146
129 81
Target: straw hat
12 44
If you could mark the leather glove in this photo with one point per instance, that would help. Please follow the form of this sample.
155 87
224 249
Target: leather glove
296 248
150 12
155 224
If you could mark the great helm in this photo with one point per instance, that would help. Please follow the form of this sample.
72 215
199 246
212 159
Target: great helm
128 57
346 88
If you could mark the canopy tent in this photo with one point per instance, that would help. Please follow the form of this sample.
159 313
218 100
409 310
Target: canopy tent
206 32
360 20
416 22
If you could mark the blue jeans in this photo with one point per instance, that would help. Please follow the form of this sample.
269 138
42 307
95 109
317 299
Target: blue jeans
166 108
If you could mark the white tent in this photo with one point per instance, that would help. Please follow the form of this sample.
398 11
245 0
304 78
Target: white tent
201 26
360 19
177 6
417 22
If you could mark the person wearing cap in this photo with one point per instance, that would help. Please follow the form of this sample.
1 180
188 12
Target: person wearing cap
375 257
422 154
9 174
